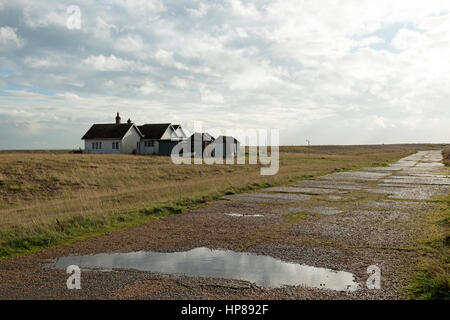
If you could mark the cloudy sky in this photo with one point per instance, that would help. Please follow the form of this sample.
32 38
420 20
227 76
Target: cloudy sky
333 72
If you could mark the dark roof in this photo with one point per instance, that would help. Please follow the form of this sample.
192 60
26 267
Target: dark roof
153 130
222 139
107 131
175 126
202 136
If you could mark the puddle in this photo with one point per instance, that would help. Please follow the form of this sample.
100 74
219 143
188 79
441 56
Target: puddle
243 215
264 271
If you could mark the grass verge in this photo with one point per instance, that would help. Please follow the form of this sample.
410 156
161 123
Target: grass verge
431 279
18 241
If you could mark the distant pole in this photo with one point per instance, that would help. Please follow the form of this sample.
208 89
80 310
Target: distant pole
308 142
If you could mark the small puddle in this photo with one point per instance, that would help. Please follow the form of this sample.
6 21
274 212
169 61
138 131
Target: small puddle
243 215
264 271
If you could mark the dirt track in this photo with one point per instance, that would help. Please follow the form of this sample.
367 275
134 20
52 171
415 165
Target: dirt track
343 221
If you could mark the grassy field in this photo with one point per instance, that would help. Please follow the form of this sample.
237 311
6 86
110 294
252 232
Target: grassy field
48 198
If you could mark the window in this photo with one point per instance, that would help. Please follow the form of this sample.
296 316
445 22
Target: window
99 145
115 146
93 145
149 143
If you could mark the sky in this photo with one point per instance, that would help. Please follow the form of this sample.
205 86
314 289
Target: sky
329 71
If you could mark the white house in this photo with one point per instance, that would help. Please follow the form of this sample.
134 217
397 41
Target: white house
127 138
112 138
160 138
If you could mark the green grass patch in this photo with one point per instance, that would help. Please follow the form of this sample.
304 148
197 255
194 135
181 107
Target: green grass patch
296 217
431 280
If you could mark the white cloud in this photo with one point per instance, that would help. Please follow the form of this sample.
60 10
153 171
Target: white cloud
178 83
37 15
244 10
109 84
111 63
103 30
405 39
366 42
9 35
200 11
130 43
377 68
148 87
39 63
210 96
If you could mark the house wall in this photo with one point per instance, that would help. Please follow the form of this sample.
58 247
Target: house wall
106 146
130 141
149 150
169 134
180 133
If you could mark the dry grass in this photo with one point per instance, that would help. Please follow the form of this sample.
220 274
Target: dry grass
432 277
56 195
446 155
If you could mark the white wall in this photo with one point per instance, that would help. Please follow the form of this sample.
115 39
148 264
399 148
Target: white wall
149 150
169 134
180 133
106 146
130 140
126 145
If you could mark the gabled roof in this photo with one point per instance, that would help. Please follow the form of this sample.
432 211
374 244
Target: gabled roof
202 136
153 130
108 131
175 126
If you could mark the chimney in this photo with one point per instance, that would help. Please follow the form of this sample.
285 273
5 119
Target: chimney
117 118
129 121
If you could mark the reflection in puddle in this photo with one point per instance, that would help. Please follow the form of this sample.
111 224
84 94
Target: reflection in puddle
262 270
243 215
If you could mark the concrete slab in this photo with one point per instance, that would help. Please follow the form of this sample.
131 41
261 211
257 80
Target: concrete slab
412 193
269 197
328 184
317 210
299 190
355 176
393 205
417 180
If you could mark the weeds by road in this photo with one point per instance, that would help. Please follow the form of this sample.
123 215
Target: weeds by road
432 278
